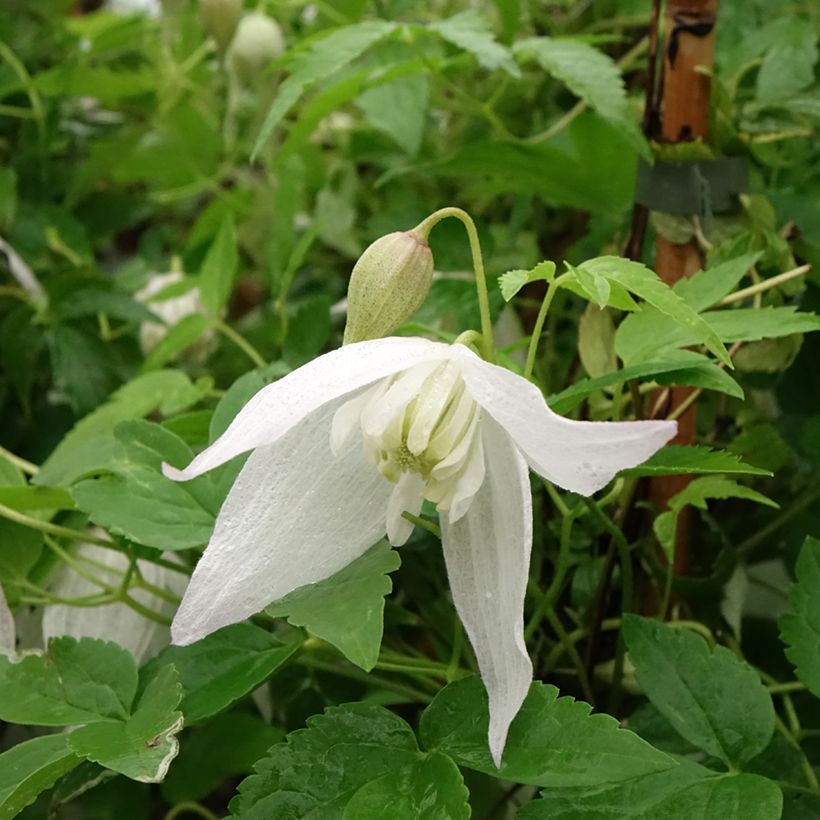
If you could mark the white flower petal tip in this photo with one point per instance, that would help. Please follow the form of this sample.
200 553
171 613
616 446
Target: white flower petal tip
8 638
174 473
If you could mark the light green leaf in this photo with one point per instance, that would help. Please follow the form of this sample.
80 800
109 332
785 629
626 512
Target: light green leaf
183 334
553 741
36 498
219 268
707 287
686 792
399 109
322 59
788 66
646 284
143 746
684 367
429 789
346 609
356 743
91 442
696 494
589 74
221 668
512 281
676 460
712 698
471 31
73 681
30 768
596 341
644 335
800 630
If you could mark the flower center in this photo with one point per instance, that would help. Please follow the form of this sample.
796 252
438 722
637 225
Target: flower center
421 422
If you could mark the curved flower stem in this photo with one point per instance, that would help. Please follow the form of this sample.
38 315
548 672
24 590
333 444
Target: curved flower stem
423 523
424 228
241 342
538 328
190 807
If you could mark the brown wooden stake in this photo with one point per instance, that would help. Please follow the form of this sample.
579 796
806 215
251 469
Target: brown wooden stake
689 27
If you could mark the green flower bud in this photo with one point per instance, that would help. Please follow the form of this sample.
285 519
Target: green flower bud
257 43
220 18
388 285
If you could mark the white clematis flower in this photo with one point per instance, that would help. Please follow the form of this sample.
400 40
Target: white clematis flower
345 444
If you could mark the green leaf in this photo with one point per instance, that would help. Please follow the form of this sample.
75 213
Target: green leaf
91 442
30 768
241 738
800 630
589 74
644 335
696 494
429 789
646 284
36 498
356 744
143 746
101 298
73 681
322 59
686 792
553 741
707 287
712 698
221 668
471 31
140 503
399 109
219 268
512 281
677 460
84 368
788 66
346 609
676 367
186 332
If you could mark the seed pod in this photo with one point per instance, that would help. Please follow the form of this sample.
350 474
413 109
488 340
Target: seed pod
220 18
257 43
388 285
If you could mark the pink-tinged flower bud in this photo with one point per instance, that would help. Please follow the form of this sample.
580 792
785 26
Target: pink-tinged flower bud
257 43
220 18
388 285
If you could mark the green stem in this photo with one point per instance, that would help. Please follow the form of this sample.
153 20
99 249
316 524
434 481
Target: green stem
423 523
569 648
424 228
532 350
241 342
20 463
784 688
190 807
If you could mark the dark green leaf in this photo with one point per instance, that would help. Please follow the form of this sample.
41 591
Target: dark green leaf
356 743
429 789
30 768
553 741
800 629
712 698
222 668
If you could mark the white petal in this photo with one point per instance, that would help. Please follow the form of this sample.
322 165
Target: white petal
470 481
580 456
8 636
295 515
406 497
347 418
280 406
142 637
488 556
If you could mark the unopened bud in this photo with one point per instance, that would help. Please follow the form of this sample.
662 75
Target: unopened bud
388 285
257 43
220 18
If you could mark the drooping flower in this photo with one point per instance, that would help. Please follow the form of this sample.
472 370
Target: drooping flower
347 443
